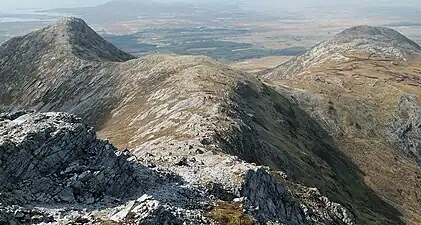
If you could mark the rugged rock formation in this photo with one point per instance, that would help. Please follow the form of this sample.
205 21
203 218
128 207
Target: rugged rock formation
363 87
54 170
53 157
260 188
405 127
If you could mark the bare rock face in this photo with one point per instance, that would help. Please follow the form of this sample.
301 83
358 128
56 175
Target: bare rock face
404 129
270 200
379 41
54 157
80 60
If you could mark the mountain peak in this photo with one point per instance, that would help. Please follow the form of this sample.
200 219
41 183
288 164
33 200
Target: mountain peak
367 30
69 36
70 24
375 35
374 40
356 43
70 21
85 42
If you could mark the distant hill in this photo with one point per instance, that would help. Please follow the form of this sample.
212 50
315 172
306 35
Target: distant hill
356 43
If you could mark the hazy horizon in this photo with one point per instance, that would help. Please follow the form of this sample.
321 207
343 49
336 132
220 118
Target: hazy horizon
288 4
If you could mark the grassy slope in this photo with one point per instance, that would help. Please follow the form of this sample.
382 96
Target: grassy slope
355 101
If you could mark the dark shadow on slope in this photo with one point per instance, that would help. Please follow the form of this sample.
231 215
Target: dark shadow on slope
277 133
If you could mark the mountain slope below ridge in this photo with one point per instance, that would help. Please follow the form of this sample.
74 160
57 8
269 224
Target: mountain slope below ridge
363 86
211 107
184 110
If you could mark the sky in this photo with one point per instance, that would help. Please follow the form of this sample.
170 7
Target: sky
45 4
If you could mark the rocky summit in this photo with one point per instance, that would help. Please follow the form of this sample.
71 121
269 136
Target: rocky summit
196 141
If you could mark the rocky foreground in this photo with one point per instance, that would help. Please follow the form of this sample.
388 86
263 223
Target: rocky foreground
53 170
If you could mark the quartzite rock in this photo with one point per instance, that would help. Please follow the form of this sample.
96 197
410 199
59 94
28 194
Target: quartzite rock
54 162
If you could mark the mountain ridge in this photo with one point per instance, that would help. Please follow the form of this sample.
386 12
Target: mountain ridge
199 119
152 107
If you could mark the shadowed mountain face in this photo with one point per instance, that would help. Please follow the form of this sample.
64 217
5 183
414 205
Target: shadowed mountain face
363 87
186 115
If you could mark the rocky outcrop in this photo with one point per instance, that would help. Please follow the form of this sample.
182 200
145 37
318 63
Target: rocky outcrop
84 42
404 128
54 170
258 187
54 159
272 200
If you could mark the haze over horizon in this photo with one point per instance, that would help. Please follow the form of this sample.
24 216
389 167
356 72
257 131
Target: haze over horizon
288 4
